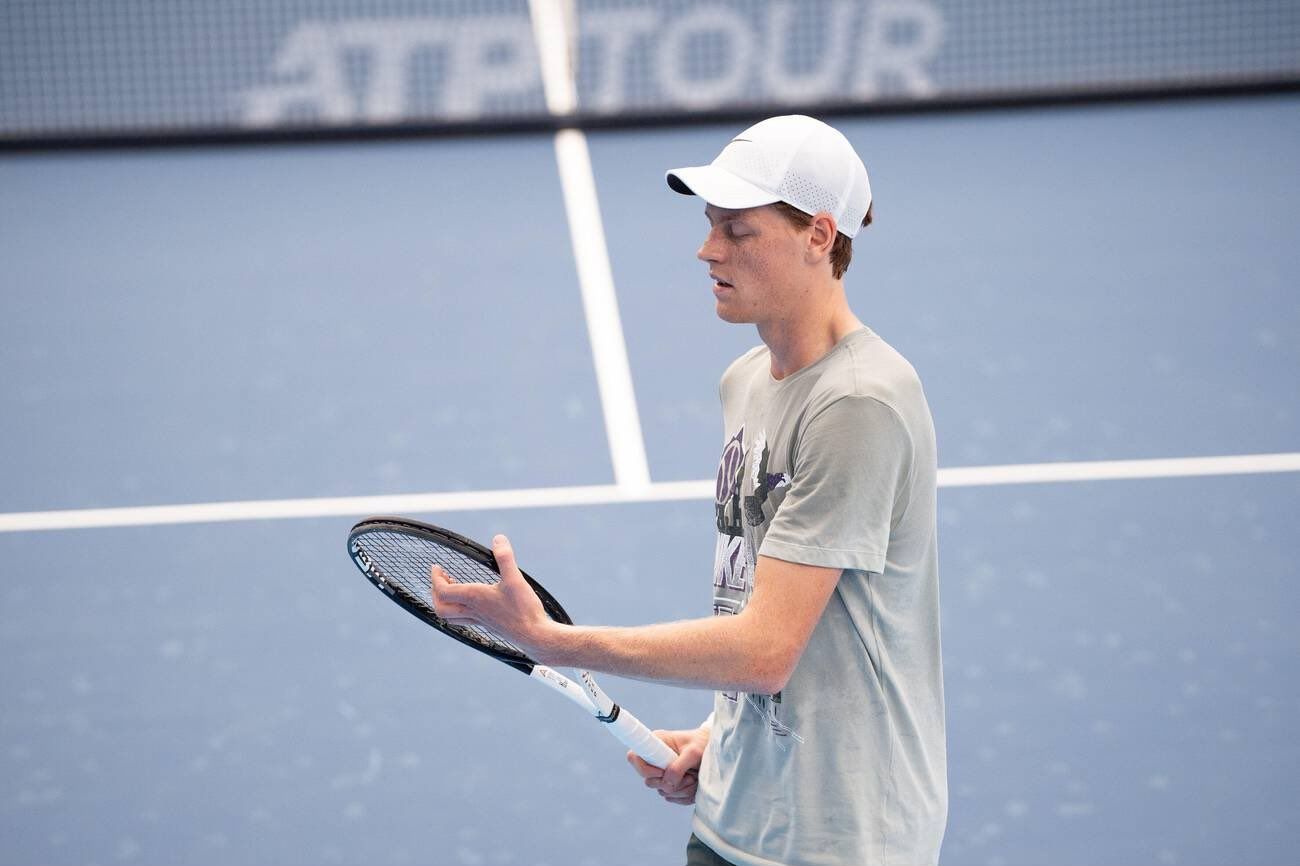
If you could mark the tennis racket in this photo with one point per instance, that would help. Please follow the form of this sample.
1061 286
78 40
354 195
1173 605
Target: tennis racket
396 555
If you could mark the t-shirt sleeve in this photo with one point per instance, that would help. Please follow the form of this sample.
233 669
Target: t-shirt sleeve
851 462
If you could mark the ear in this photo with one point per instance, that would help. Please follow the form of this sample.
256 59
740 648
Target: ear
821 237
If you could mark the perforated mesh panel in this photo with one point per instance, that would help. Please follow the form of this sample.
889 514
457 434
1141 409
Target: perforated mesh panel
808 196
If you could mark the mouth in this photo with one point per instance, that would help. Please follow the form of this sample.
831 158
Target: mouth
719 283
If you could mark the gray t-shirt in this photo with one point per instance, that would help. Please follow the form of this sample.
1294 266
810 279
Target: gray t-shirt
833 466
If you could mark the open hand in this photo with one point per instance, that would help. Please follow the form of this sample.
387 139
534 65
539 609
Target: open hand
510 608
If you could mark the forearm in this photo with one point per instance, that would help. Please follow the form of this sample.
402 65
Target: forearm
726 653
753 651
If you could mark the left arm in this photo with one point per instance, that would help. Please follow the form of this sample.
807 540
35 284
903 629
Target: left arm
754 651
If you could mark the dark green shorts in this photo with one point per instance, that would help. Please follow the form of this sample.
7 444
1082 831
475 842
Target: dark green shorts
699 854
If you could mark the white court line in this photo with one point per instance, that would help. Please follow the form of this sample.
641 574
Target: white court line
609 494
554 32
552 28
1111 470
604 327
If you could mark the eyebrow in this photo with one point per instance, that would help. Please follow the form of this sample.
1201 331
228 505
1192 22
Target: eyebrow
725 215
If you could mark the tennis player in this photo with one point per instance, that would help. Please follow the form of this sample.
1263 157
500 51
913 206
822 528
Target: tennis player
826 744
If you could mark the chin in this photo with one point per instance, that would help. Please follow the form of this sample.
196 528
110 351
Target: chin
725 315
730 314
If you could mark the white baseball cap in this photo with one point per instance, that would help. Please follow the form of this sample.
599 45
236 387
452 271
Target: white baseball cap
795 159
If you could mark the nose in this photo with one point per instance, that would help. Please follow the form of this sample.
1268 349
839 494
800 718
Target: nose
710 250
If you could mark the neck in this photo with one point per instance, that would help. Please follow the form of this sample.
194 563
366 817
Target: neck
799 340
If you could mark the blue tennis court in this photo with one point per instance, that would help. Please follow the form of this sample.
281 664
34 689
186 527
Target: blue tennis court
205 325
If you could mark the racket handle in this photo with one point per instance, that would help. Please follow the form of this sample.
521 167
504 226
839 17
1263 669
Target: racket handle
638 738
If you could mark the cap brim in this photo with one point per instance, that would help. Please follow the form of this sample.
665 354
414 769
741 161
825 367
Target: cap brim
718 187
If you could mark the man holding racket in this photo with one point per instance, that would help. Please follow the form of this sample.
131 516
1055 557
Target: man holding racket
826 744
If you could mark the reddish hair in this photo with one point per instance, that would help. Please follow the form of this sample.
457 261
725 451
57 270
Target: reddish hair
842 251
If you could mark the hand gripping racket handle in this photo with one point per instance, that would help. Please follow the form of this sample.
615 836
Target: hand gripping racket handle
638 738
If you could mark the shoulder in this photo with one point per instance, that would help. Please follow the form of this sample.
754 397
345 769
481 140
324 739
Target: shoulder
871 371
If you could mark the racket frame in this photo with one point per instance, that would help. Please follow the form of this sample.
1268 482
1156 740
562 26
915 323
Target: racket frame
584 691
421 608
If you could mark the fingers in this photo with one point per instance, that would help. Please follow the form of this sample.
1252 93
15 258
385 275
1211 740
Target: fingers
509 607
680 777
675 772
451 600
678 782
687 762
684 795
649 772
504 554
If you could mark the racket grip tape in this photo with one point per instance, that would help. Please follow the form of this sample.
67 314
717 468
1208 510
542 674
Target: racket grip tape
639 739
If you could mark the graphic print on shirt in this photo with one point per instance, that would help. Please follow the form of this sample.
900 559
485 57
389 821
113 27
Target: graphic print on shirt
730 474
762 482
734 556
733 563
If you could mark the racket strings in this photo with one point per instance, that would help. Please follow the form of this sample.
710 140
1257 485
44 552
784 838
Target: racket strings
403 561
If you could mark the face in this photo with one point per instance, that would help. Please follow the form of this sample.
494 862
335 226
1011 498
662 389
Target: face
754 257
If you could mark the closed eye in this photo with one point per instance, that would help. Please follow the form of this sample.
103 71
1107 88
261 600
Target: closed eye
733 227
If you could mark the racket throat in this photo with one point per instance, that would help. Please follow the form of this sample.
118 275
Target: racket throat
584 692
606 709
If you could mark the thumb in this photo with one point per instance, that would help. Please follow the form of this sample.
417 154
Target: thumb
680 766
504 554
